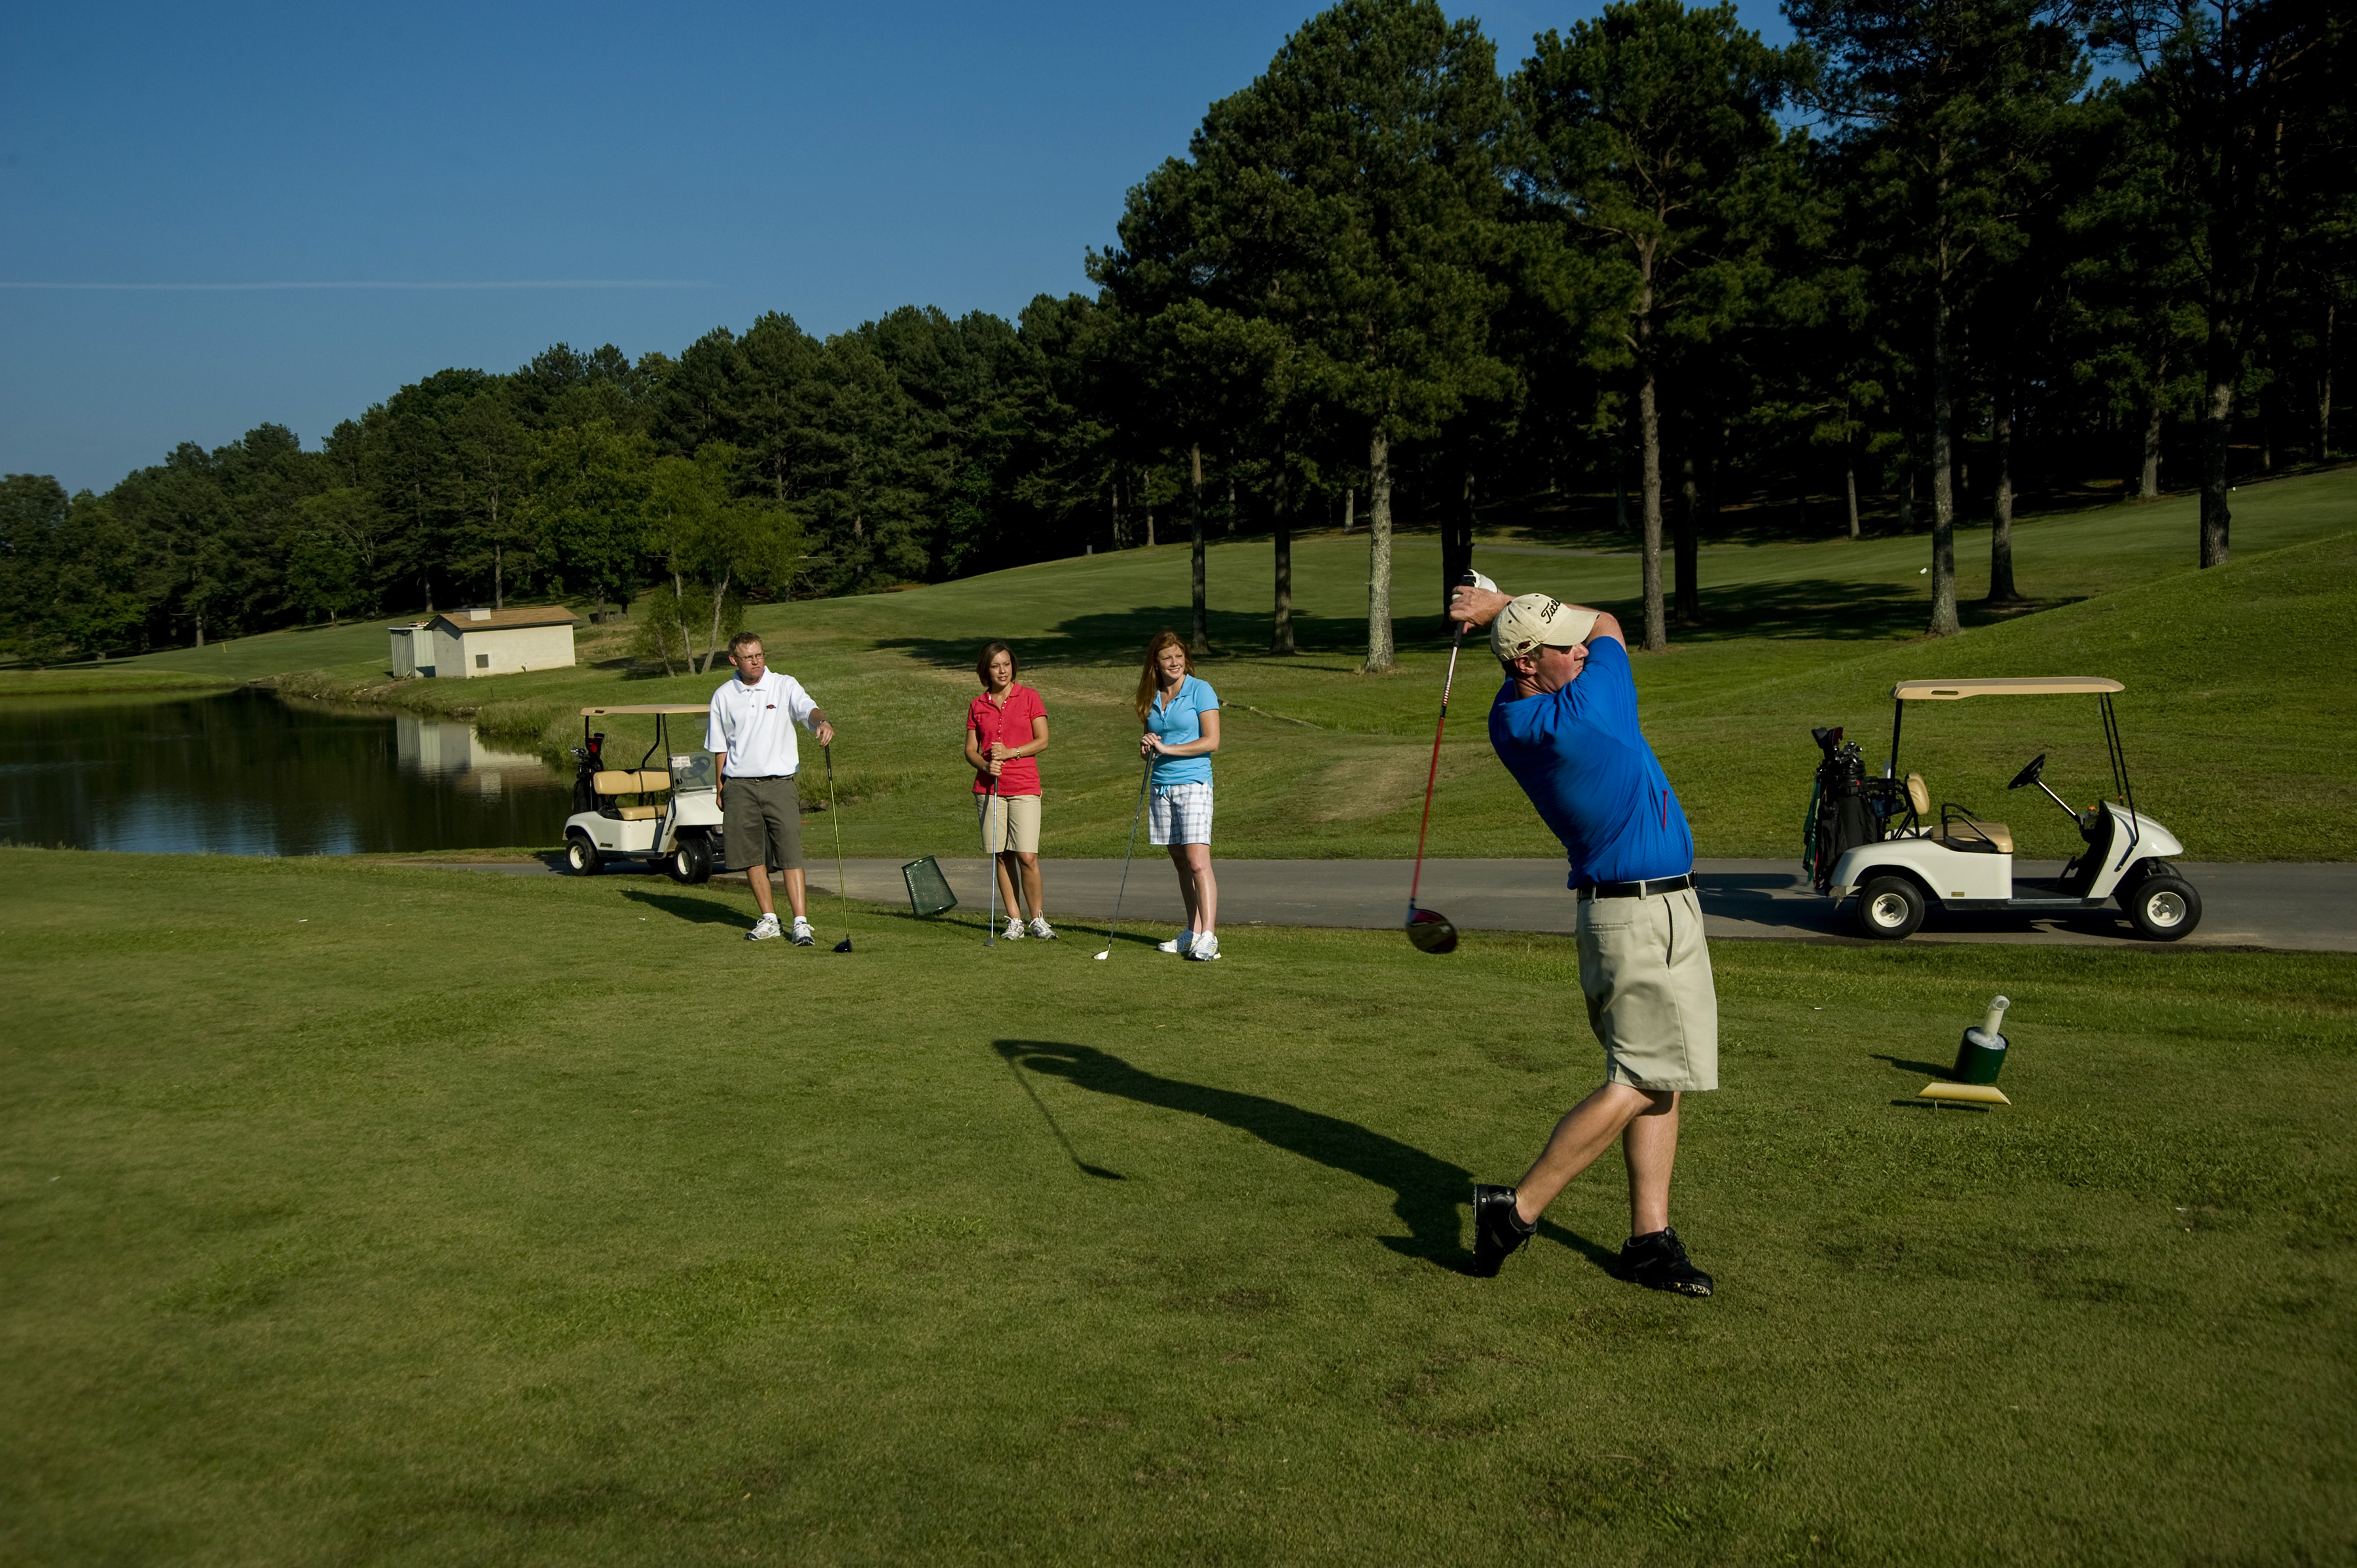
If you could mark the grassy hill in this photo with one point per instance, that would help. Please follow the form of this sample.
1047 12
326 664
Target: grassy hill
2236 717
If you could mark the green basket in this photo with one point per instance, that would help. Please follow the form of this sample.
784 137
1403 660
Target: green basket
929 890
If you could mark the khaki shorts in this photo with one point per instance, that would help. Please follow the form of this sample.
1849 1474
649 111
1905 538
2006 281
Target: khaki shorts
1008 821
761 823
1646 970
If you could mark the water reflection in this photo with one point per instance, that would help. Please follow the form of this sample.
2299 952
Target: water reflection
453 753
245 773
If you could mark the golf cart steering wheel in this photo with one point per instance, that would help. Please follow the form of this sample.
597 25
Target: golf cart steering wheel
2029 776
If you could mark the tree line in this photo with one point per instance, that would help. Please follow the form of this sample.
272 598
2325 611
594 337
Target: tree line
1930 255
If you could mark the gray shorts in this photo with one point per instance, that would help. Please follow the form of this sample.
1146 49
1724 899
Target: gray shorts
1646 971
761 823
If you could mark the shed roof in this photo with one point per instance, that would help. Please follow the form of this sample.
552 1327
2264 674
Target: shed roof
2005 686
464 622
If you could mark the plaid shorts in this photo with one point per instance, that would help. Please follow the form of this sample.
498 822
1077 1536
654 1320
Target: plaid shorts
1181 813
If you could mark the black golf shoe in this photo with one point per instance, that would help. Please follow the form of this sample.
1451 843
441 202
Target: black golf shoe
1658 1262
1497 1229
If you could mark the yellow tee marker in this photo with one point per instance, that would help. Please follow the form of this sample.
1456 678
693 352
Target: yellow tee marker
1969 1093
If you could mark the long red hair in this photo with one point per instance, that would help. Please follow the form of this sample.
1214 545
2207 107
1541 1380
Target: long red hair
1151 682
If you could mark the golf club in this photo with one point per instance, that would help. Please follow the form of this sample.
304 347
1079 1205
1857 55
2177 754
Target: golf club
1429 929
841 889
1144 779
990 804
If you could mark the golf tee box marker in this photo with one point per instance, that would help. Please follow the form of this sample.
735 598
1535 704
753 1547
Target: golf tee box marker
1980 1054
1965 1093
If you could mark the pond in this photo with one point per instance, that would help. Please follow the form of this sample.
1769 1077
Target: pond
248 773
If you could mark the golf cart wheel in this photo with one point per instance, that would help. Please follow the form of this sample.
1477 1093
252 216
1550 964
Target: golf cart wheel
1890 908
581 854
691 862
2162 908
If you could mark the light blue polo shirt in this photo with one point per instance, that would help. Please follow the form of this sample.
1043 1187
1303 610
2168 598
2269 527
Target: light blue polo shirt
1177 723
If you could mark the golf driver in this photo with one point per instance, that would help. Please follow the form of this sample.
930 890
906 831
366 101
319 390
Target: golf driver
841 889
1144 779
1429 929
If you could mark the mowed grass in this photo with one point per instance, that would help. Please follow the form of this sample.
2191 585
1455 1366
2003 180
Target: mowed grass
2238 718
364 1214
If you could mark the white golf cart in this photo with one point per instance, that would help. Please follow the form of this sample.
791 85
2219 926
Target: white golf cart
1877 839
671 814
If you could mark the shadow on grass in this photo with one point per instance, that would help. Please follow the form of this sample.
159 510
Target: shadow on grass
1936 1070
1429 1191
1119 636
696 911
1812 609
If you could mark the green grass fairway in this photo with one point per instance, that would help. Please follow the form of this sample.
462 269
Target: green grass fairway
368 1214
101 680
2239 716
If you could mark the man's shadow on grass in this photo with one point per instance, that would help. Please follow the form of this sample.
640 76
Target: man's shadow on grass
1428 1192
696 911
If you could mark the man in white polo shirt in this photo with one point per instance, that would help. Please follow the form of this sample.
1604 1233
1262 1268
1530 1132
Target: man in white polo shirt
755 758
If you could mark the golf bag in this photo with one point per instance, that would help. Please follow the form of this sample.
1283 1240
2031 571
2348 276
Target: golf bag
591 756
1847 809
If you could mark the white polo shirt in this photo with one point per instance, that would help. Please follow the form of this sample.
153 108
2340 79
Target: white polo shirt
754 723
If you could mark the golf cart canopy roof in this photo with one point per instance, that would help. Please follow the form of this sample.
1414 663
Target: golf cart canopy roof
682 708
2008 686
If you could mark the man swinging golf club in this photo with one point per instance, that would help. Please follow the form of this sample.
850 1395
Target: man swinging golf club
1565 724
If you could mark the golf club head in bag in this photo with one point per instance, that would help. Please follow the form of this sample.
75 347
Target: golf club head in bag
1431 932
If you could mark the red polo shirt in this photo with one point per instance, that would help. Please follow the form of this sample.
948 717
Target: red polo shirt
1012 724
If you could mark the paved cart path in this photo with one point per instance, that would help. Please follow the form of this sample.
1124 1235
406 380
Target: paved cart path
2310 907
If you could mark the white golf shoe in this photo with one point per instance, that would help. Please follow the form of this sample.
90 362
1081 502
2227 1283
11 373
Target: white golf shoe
1206 947
1042 929
803 936
764 929
1013 929
1179 944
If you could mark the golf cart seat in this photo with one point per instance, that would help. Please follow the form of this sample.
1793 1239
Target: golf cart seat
1957 827
647 781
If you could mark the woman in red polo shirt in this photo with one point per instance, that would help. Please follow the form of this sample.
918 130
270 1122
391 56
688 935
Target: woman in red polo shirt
1006 727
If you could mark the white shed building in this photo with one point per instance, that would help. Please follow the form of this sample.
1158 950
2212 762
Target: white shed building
412 648
471 642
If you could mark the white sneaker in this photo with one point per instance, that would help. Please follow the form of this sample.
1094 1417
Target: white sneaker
764 929
803 935
1206 947
1042 929
1179 943
1013 929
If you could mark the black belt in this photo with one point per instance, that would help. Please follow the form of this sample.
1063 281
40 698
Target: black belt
759 777
1635 889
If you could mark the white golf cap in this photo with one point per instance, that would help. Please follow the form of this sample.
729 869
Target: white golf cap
1534 621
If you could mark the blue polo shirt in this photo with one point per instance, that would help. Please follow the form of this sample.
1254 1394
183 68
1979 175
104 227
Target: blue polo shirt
1580 757
1177 721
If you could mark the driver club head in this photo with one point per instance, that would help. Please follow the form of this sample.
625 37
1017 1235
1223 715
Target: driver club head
1431 932
843 946
1106 954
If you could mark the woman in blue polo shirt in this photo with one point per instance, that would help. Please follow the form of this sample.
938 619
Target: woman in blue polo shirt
1181 715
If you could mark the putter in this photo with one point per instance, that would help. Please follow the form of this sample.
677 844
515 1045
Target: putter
1429 929
1144 779
841 889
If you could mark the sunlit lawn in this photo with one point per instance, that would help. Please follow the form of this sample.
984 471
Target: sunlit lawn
368 1215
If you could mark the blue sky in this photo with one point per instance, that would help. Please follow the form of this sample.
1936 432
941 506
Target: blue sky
829 162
